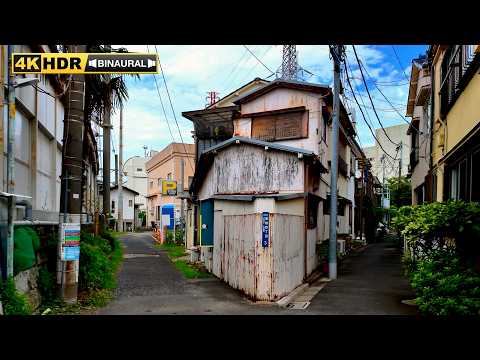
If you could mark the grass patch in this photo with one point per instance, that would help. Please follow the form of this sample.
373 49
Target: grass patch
173 251
190 271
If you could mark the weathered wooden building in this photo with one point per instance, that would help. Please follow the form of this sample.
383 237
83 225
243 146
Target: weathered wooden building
272 157
246 186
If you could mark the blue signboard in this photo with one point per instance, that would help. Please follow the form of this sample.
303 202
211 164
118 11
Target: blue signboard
265 229
71 253
168 216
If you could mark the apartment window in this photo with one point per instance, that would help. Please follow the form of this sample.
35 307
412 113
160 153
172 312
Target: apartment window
475 188
139 169
158 213
190 179
414 153
130 203
160 182
456 62
434 187
169 176
151 184
283 126
113 206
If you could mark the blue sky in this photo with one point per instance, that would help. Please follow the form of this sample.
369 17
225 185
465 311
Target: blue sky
191 71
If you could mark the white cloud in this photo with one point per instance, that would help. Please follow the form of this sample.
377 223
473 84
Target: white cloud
191 71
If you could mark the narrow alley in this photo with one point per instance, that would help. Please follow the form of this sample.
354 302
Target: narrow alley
369 283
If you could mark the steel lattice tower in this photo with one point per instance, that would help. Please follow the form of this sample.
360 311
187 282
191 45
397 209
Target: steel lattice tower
289 69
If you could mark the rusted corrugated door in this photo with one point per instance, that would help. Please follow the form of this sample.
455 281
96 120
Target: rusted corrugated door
238 258
288 253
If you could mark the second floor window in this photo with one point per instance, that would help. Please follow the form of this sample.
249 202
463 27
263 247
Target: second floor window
292 125
455 63
151 184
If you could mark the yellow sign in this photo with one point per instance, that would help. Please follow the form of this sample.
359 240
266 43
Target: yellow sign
169 187
84 63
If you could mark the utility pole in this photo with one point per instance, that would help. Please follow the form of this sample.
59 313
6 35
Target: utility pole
71 187
120 173
182 208
107 126
337 54
10 162
400 161
116 169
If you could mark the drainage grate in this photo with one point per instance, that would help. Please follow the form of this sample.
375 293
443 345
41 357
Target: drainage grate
298 305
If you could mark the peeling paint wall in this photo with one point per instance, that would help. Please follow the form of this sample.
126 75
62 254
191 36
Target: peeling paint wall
247 169
238 256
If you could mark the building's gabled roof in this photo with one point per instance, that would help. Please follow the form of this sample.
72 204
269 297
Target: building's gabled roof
322 89
257 79
124 188
206 158
279 83
271 145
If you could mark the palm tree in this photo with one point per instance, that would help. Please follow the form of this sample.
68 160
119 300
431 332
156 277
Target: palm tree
104 94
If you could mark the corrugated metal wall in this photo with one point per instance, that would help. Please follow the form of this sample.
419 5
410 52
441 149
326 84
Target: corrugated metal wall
261 273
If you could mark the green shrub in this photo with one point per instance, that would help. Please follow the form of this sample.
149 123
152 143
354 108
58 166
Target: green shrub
13 302
445 287
46 286
429 227
99 260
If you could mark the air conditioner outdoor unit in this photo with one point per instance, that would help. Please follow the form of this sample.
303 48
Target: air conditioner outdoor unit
341 246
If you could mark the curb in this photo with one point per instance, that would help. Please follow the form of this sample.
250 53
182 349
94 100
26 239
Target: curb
283 302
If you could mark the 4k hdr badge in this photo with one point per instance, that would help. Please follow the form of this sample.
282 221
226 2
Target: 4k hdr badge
84 63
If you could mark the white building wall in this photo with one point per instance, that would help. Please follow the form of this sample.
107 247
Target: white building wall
128 211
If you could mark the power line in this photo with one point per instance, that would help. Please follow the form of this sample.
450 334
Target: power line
400 63
363 115
265 66
385 97
263 55
161 103
173 110
371 101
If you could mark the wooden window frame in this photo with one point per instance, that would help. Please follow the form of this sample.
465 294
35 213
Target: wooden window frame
278 116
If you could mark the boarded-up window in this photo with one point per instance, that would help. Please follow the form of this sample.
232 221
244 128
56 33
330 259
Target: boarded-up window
291 125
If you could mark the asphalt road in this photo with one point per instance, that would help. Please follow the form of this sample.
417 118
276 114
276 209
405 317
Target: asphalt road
369 283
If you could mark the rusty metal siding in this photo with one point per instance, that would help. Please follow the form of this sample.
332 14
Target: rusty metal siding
236 262
261 273
288 253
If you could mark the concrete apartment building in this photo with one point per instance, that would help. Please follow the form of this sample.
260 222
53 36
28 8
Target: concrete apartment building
166 165
389 167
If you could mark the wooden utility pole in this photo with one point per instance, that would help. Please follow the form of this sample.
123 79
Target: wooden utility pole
107 126
72 169
120 173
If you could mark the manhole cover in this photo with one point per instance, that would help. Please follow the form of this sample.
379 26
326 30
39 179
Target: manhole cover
298 305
